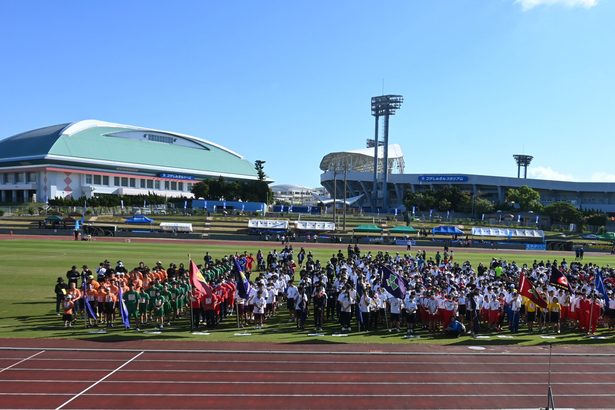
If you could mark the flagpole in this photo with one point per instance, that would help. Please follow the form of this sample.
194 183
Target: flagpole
386 319
591 313
191 296
550 403
237 309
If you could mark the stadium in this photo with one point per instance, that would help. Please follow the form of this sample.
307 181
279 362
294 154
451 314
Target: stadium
91 157
355 170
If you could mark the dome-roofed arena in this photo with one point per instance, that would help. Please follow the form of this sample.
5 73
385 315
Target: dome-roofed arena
96 157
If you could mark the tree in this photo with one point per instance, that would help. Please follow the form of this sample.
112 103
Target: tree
201 189
563 213
259 166
597 219
483 206
527 198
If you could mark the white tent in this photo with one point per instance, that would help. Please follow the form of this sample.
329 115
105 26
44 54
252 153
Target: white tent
509 233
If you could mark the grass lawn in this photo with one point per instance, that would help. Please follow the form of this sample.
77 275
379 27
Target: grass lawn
29 269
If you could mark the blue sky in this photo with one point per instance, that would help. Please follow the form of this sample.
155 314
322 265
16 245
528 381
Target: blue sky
289 81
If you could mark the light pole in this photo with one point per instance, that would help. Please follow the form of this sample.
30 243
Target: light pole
384 105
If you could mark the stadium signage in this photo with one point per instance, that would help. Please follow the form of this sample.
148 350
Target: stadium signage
443 178
176 176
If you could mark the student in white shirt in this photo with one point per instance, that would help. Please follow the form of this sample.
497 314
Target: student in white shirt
395 305
259 303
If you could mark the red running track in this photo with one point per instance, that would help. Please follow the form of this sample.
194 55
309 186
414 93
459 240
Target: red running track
54 374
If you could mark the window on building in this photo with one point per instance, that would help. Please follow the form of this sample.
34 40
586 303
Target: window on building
167 185
124 181
180 186
116 181
19 177
5 178
173 185
156 184
133 183
88 179
97 179
142 183
105 180
150 183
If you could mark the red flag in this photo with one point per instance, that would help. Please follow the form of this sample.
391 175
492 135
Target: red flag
198 281
526 288
558 279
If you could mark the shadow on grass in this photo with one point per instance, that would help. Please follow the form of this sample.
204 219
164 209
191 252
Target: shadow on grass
488 342
113 338
316 341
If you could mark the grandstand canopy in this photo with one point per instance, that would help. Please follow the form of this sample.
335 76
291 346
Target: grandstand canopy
509 233
369 228
362 160
403 229
446 230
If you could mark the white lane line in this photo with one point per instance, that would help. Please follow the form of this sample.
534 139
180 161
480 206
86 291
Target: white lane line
379 362
310 371
306 395
331 383
324 353
21 361
99 381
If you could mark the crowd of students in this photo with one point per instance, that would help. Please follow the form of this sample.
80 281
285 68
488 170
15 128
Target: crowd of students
365 291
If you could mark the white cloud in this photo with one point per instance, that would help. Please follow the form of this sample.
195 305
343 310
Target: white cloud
548 173
530 4
602 177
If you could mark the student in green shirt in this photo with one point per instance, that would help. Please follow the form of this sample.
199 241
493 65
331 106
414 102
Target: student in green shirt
131 300
144 300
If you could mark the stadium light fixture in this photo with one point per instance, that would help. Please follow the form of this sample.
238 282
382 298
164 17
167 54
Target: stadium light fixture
522 161
383 106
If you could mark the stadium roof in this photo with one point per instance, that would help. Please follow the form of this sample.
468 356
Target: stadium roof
362 160
108 145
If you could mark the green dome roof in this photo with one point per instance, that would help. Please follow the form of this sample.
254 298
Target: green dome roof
103 144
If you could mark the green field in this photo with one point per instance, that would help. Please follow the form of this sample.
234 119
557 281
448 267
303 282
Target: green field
29 268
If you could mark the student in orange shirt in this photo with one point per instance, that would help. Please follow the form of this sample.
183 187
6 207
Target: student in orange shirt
76 294
110 300
67 307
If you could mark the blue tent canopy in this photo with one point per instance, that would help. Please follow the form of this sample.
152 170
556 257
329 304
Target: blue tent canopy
139 219
446 230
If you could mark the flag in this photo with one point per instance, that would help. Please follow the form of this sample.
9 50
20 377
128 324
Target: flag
600 287
393 283
243 285
197 280
558 279
123 310
527 289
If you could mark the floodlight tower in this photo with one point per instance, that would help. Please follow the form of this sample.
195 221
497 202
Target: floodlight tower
384 105
522 161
